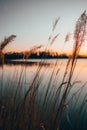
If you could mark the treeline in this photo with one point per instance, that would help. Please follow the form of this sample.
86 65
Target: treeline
36 55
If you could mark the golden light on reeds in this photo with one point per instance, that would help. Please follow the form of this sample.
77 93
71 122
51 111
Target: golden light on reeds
29 111
79 36
79 33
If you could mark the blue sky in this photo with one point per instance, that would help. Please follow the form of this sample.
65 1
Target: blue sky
32 20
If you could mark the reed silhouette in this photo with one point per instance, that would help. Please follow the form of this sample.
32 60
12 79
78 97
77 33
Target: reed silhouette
24 110
3 44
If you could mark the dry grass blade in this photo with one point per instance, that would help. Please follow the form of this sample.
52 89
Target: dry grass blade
79 34
79 37
39 104
28 53
50 37
54 38
6 41
3 44
1 57
67 37
55 24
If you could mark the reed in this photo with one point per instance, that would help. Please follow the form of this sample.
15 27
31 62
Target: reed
3 44
25 109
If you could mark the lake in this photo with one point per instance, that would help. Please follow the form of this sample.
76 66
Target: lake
20 74
31 67
11 72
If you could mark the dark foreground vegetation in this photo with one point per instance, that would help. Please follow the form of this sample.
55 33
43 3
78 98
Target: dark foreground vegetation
30 109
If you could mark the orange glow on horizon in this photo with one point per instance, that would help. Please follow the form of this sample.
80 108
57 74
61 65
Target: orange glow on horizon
53 52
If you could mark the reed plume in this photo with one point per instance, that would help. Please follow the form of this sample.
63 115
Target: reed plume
6 41
53 39
80 33
55 24
67 37
3 44
24 109
79 37
33 49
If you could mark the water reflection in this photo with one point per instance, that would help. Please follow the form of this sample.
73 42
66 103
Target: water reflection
18 71
13 70
29 62
47 66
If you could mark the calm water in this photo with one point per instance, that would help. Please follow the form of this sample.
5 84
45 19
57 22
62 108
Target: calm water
11 73
80 72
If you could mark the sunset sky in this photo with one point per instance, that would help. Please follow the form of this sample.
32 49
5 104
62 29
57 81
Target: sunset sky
32 20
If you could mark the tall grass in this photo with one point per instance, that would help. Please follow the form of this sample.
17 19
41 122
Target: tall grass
3 44
25 109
